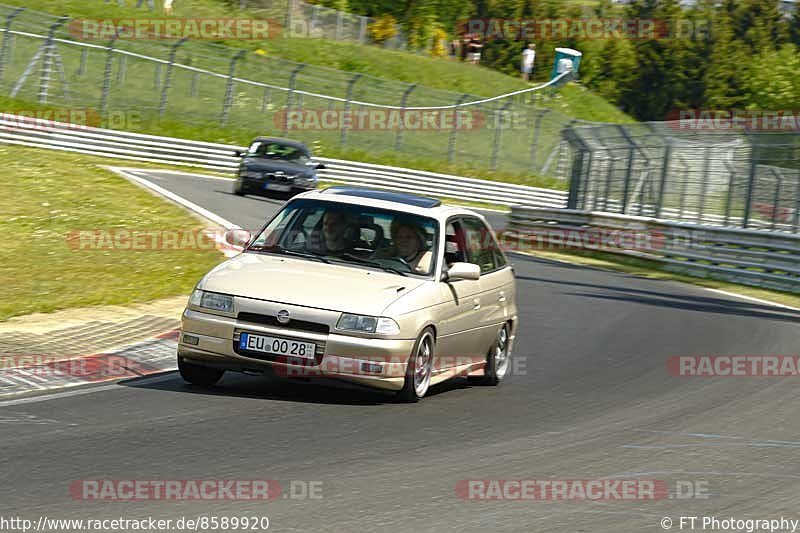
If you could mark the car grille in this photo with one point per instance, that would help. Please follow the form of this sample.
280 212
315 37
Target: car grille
297 325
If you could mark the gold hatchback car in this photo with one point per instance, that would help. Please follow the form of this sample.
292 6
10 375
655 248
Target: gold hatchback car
385 289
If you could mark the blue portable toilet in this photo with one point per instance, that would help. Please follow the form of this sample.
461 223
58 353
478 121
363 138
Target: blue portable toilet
566 59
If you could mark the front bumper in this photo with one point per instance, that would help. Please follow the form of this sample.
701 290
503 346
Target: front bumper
268 185
378 363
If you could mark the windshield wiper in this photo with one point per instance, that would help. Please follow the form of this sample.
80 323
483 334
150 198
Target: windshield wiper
293 253
367 262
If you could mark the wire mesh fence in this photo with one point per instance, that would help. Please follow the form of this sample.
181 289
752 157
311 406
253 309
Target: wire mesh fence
208 85
747 179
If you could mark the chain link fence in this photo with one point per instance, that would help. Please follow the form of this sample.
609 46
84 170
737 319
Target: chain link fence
746 179
301 19
206 85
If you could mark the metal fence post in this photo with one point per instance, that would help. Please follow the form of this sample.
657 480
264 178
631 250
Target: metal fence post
290 96
576 176
312 26
451 145
776 200
662 182
339 24
162 106
796 218
701 203
348 98
287 32
362 30
729 194
499 124
536 130
6 39
226 106
404 104
627 184
107 76
751 182
47 60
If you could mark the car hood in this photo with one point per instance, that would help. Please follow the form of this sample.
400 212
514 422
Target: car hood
270 165
309 283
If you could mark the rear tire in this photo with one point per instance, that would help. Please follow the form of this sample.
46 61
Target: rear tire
419 369
498 359
199 375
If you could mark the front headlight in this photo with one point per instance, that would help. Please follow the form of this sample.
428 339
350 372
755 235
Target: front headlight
368 324
212 300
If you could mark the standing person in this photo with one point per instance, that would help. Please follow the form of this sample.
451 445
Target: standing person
528 60
463 46
475 49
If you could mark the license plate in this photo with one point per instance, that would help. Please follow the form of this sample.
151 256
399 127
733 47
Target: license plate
277 187
275 346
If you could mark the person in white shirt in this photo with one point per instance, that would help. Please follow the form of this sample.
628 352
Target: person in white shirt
528 59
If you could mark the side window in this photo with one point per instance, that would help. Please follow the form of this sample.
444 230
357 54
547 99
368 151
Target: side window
481 245
454 244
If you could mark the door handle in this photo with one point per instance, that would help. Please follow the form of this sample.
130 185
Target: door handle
476 304
502 296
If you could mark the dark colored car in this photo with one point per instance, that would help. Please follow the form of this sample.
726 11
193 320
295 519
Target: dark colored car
272 165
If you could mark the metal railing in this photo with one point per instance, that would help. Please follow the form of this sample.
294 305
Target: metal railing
218 157
205 85
744 179
767 259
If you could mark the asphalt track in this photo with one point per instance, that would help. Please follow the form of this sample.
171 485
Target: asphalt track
590 398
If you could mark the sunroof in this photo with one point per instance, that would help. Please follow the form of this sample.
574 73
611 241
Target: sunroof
389 196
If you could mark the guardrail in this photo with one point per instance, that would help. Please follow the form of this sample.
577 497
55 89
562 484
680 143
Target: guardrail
220 158
764 259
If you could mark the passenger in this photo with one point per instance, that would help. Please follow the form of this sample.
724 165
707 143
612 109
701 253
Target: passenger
409 246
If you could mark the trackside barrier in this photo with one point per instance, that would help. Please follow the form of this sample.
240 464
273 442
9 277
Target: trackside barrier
217 157
766 259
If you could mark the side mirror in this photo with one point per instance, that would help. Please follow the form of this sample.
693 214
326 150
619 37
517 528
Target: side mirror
320 166
467 271
238 153
238 237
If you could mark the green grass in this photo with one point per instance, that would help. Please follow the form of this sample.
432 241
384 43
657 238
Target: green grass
655 270
43 197
195 100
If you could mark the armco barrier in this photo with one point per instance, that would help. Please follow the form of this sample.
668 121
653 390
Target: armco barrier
220 158
760 258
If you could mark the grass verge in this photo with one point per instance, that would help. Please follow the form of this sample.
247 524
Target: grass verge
654 270
44 196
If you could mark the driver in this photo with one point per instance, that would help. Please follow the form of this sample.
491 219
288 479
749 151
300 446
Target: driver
334 233
409 243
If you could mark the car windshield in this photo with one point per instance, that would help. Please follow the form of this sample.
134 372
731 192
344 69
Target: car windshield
279 151
364 237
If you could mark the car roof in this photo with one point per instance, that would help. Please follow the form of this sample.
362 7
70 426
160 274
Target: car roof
287 142
385 199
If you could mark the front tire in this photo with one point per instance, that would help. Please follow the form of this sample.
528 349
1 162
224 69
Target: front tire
498 359
419 369
238 188
199 375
